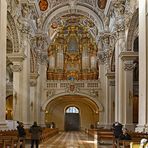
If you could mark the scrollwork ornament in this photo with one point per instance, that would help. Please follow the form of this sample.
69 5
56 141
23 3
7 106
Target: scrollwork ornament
17 68
104 56
94 93
129 66
72 88
33 82
50 93
44 58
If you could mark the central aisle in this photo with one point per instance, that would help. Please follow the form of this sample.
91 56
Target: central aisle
69 140
72 140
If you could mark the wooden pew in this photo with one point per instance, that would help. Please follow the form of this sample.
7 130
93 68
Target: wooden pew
11 141
102 135
136 138
10 137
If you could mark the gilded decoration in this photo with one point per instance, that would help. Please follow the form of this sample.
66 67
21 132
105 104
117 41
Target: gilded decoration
72 53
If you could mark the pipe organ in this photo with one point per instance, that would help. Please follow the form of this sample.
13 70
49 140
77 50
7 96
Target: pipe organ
72 56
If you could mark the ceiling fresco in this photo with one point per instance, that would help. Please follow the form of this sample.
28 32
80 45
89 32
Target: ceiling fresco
102 4
50 4
43 5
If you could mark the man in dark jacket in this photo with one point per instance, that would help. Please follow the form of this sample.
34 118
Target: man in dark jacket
35 131
21 133
117 128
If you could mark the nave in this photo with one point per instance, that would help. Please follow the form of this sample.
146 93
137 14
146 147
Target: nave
73 140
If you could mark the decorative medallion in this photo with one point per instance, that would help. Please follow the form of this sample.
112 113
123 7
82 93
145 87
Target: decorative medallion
72 87
54 25
102 4
43 4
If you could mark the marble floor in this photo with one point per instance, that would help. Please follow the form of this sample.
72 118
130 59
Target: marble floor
73 140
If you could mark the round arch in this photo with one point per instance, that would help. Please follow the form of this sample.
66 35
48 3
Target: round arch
96 102
97 19
14 33
131 32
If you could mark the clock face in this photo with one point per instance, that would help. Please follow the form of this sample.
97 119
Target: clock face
43 4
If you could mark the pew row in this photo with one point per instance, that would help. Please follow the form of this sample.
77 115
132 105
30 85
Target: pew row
136 138
102 135
9 138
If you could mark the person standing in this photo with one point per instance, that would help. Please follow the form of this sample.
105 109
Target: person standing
35 131
21 134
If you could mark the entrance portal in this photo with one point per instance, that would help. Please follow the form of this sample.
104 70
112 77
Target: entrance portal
72 119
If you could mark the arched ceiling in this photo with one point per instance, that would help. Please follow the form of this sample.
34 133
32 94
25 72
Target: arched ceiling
74 99
87 13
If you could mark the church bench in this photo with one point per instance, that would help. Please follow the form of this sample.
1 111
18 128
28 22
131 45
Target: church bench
9 141
102 134
45 135
10 137
48 133
136 138
105 136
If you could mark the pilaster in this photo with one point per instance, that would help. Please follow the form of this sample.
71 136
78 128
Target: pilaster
110 98
41 87
33 98
143 66
128 57
3 25
17 67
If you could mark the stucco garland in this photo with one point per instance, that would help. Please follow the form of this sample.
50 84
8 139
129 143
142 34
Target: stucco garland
15 39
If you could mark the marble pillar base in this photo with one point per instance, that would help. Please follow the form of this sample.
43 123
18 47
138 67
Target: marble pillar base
140 128
3 126
108 125
130 126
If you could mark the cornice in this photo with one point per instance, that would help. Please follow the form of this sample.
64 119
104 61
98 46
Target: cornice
16 57
128 55
110 75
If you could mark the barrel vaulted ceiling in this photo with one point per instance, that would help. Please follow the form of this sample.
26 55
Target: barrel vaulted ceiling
57 13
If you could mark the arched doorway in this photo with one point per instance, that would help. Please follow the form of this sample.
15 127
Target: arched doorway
72 119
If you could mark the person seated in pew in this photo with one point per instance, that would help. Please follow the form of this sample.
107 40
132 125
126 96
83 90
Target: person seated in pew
117 129
124 135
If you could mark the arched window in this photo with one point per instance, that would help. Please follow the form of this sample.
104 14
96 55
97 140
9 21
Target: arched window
72 109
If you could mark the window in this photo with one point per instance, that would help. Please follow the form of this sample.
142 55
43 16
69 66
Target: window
72 109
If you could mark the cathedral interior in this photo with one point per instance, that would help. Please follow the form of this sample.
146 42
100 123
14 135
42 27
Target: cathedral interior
74 63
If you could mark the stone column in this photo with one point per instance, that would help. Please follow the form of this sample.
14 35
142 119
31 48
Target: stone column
16 68
110 99
128 57
104 58
25 82
42 88
33 98
119 47
143 66
3 26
